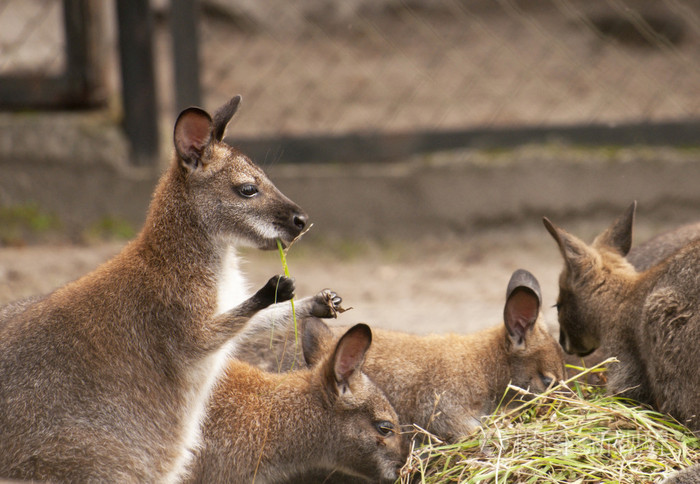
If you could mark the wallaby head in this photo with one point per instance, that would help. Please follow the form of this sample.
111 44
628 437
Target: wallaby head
331 417
369 441
233 197
534 357
588 272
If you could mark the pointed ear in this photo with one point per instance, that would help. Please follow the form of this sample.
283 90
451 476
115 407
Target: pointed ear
619 235
523 300
223 115
348 357
315 339
192 135
572 249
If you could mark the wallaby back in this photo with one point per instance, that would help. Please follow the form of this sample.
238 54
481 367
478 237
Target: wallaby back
264 427
446 383
649 320
106 378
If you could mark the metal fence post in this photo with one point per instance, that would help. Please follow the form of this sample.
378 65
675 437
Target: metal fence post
138 80
185 34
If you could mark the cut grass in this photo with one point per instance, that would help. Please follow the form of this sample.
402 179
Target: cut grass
573 433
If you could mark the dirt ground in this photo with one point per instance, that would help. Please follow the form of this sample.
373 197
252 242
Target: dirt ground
456 284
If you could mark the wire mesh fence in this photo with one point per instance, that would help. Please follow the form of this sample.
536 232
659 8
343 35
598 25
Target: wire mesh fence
320 67
31 37
392 66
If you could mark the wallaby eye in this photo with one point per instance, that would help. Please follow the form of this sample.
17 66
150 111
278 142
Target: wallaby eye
546 381
385 428
248 190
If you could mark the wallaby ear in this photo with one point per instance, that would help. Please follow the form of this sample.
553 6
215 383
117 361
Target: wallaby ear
315 337
523 300
619 235
572 249
192 134
223 115
348 357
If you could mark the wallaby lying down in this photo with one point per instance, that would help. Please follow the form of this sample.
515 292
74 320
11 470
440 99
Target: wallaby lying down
445 383
649 320
266 427
105 380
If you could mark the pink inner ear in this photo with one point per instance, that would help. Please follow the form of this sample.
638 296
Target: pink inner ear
350 354
521 311
193 133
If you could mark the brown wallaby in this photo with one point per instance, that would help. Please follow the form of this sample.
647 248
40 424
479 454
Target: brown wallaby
445 383
642 257
649 320
106 379
266 427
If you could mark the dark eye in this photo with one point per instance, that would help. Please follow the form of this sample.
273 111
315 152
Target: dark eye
248 190
546 381
385 428
557 306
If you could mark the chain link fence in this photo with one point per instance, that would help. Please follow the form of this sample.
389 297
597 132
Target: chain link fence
393 66
329 68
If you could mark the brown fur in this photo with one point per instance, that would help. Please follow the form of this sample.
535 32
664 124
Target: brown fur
642 258
102 379
446 383
264 427
649 320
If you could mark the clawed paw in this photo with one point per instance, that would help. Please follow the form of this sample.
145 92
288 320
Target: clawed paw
277 289
327 304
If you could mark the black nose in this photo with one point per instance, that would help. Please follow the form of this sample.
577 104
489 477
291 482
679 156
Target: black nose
300 220
546 381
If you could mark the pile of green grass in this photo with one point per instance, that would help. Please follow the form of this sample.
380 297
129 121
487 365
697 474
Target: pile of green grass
573 433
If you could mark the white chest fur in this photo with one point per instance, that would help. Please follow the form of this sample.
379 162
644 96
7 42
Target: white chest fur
231 288
231 291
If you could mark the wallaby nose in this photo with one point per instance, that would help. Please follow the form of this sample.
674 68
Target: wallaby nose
300 220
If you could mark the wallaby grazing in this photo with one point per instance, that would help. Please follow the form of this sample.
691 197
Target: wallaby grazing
445 383
649 320
106 379
642 257
266 427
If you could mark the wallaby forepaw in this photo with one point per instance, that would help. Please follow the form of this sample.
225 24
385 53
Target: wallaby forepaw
327 304
277 289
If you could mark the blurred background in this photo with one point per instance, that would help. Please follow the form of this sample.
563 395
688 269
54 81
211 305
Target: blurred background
381 116
425 138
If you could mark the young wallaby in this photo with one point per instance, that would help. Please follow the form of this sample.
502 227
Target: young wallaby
445 383
106 379
649 320
267 427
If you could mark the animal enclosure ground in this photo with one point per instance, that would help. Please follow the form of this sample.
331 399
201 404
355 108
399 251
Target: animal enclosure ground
439 283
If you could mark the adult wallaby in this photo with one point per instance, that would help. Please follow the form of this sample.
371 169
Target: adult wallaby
266 427
106 379
649 320
642 257
445 383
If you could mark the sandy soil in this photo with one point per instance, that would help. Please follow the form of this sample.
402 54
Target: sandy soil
427 285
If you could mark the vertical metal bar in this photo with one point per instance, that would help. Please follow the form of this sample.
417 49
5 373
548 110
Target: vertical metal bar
185 34
135 27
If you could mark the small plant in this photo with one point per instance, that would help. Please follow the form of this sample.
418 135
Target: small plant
20 224
572 433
